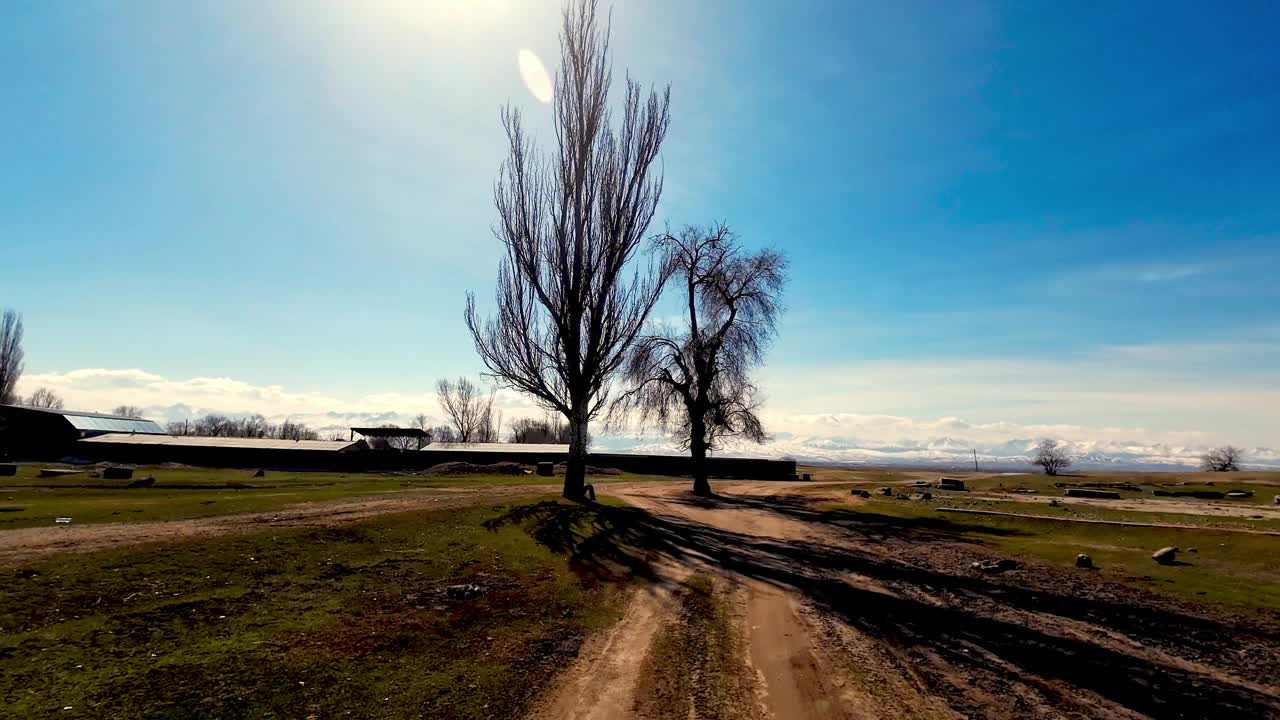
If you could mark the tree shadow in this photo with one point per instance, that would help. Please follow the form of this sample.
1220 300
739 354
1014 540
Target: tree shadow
972 631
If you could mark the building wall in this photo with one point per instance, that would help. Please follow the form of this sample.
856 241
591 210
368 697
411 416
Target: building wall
300 459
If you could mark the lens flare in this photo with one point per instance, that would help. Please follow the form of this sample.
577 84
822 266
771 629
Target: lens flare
535 75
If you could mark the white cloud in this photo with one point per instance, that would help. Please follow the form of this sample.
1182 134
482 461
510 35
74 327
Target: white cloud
1131 404
167 400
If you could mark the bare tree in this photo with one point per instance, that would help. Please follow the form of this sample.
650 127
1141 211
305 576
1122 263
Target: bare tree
1052 456
443 434
468 408
289 430
45 398
180 428
11 355
696 379
568 306
132 411
397 443
547 431
1223 459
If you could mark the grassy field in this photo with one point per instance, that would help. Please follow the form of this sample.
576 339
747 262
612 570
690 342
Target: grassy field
1069 510
452 614
187 492
1229 568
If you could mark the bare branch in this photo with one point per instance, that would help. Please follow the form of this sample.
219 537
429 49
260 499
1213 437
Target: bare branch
11 355
1052 456
569 299
696 381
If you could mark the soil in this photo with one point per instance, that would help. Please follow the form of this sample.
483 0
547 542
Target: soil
26 544
848 621
860 618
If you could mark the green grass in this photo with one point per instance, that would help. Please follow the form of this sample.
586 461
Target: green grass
187 492
353 621
1264 485
1231 569
1071 510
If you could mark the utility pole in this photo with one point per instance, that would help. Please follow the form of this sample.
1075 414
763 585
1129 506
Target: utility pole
975 459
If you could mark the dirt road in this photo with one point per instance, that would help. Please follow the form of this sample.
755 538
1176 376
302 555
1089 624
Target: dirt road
21 545
870 619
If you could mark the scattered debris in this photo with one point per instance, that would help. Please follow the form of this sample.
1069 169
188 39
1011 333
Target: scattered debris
921 484
1193 550
546 469
860 493
1084 561
466 591
994 566
1025 491
1165 555
62 521
920 496
1240 494
1092 493
1054 503
888 492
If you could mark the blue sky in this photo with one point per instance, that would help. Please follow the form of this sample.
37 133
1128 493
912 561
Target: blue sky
985 205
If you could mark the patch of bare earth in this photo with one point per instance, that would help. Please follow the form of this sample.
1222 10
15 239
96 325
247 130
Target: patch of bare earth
26 544
872 619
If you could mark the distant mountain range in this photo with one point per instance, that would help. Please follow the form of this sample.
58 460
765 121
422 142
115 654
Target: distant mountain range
950 453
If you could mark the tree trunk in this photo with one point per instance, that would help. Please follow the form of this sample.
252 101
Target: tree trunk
698 456
575 473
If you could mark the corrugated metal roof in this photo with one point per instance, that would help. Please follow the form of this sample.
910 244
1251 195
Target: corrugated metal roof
97 422
227 442
498 447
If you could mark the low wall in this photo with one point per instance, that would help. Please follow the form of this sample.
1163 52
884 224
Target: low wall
375 461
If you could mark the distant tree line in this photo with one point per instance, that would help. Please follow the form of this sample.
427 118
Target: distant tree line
250 426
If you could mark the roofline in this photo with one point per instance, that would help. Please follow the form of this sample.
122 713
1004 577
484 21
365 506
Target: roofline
77 413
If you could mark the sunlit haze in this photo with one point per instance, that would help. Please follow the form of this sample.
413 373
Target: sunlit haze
1004 221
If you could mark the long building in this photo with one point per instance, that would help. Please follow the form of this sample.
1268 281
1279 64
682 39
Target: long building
55 434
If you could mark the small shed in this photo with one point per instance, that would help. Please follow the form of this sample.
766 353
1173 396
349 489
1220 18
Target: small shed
380 437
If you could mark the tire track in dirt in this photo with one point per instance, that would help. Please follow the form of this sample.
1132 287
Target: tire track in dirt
910 637
600 683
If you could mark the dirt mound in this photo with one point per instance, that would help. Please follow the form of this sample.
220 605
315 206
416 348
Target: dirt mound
466 468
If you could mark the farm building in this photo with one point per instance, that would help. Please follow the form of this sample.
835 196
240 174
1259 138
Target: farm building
359 456
40 430
31 433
